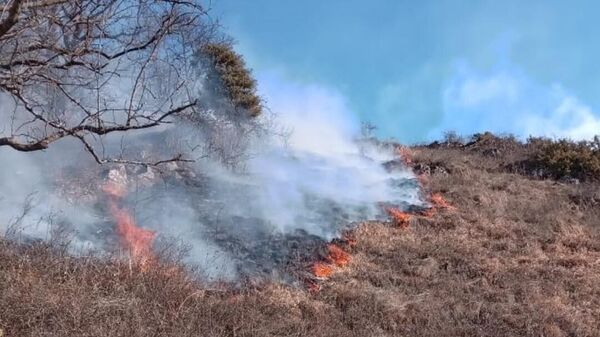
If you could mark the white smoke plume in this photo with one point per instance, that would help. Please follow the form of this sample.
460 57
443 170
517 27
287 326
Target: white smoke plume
295 189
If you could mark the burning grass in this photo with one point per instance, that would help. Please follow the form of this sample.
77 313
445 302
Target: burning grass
337 255
400 218
438 201
405 154
136 240
516 257
322 270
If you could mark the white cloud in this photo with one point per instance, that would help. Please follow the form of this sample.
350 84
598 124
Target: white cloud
570 119
476 91
507 100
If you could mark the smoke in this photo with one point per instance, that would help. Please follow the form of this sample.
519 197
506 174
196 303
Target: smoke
321 162
300 184
507 99
31 207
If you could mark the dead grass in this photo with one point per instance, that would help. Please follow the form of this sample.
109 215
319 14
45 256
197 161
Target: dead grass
515 256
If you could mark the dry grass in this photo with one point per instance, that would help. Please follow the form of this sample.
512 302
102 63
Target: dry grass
514 257
45 293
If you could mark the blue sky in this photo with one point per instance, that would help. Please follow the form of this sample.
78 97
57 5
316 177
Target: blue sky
418 68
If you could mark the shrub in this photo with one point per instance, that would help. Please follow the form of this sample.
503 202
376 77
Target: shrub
234 77
566 158
453 138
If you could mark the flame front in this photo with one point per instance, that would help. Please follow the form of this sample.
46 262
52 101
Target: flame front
322 270
438 201
137 240
405 154
337 255
400 218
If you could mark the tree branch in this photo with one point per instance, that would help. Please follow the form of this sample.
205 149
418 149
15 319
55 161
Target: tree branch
11 18
81 130
90 68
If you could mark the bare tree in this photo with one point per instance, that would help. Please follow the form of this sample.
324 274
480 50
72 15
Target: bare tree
85 69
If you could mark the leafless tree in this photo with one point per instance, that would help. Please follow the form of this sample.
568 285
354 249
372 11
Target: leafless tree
85 69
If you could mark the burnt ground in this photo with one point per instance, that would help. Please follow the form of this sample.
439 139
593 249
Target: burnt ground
517 256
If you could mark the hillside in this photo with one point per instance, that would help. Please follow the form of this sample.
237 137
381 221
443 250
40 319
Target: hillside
511 255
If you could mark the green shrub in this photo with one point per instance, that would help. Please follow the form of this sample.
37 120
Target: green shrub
566 158
453 138
234 77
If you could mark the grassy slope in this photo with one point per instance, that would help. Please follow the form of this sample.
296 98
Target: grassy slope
517 257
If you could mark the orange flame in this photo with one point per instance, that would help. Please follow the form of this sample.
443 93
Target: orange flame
428 213
322 270
405 154
399 217
438 201
137 240
337 255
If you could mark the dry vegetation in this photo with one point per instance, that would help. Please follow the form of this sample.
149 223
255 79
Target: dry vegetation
232 77
564 158
516 256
